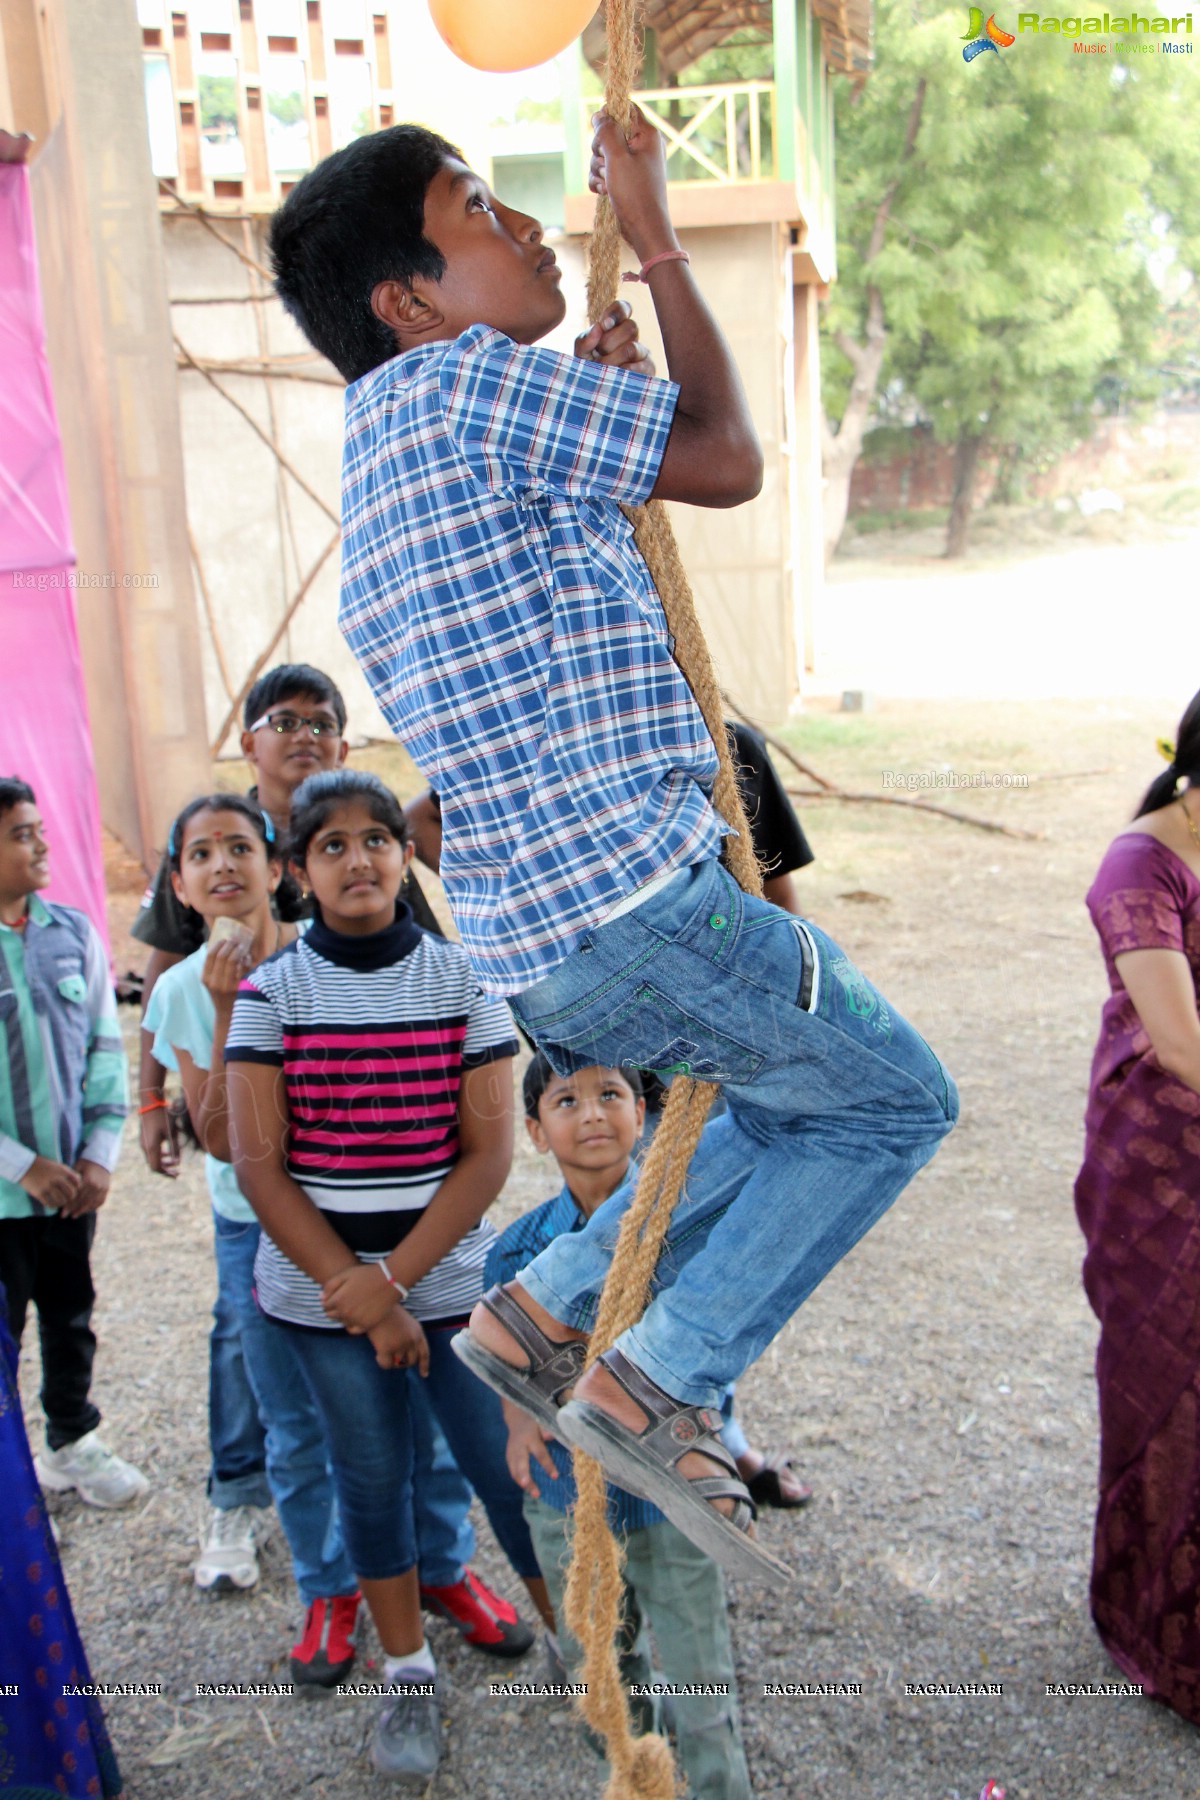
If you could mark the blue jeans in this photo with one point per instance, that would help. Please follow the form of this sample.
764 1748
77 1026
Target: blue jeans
732 1435
441 1496
833 1104
369 1427
265 1377
297 1460
236 1439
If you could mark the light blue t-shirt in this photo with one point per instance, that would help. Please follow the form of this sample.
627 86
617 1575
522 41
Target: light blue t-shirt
181 1015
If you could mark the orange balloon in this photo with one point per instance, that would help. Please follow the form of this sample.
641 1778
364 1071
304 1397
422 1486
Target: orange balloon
519 34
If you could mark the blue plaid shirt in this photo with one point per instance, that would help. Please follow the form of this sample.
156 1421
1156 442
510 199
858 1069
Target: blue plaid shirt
526 1238
498 605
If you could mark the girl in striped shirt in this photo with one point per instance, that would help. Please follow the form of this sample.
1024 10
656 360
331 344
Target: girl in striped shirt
371 1097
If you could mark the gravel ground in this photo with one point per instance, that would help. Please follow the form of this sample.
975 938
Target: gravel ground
937 1389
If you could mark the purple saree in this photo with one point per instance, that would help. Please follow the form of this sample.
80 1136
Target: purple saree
1138 1201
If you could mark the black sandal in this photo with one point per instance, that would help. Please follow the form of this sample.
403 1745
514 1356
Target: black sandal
765 1486
551 1369
646 1462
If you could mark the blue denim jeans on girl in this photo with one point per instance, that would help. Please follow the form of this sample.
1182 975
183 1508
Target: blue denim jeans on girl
833 1104
368 1421
265 1379
237 1440
441 1496
257 1374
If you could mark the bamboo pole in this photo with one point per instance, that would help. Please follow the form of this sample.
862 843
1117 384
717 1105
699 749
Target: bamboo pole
190 208
206 597
254 425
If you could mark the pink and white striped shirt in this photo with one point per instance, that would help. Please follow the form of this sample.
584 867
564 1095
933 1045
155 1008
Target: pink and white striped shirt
373 1035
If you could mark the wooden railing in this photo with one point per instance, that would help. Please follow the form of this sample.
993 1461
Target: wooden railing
723 134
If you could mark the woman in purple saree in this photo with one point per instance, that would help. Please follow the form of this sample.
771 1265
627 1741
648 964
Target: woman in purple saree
1138 1202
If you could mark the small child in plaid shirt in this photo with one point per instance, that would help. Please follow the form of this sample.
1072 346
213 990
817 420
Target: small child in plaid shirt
497 603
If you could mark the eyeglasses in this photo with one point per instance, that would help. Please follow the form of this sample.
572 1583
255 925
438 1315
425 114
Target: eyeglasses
288 723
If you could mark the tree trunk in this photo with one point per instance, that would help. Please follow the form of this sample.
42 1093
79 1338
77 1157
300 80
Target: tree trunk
1010 479
835 504
966 461
841 452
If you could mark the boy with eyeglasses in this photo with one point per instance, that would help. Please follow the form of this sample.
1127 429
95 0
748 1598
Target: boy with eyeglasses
294 724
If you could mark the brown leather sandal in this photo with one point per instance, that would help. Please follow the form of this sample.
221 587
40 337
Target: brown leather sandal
552 1368
647 1463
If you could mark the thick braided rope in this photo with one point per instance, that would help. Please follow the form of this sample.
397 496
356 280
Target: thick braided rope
642 1768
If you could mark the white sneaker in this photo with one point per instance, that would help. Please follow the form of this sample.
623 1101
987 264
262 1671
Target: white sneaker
90 1467
229 1558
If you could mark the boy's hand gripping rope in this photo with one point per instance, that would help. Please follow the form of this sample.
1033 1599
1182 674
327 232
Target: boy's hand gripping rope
642 1768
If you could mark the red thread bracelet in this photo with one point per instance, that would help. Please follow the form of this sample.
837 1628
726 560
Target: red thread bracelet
154 1106
662 257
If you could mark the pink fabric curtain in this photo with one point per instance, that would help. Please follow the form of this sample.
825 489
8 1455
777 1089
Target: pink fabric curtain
44 732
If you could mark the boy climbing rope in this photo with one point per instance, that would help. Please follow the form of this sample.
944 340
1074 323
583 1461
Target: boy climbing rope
497 602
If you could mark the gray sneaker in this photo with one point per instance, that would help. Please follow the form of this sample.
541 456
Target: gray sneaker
407 1743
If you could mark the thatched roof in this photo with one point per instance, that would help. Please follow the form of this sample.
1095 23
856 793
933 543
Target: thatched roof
846 32
685 29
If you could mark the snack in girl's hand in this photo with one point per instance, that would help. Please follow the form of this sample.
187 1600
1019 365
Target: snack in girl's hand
225 928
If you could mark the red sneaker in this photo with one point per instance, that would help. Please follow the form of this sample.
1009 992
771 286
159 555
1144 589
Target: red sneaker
483 1618
325 1654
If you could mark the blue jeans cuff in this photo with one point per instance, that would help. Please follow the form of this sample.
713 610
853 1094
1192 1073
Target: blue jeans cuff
632 1343
243 1490
441 1575
578 1316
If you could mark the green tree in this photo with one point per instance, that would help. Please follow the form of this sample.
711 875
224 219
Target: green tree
287 107
1179 347
218 101
995 235
742 58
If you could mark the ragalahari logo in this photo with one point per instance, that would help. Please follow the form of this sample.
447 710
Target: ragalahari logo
979 37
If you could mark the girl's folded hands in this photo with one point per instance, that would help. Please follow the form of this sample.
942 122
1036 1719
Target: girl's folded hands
358 1297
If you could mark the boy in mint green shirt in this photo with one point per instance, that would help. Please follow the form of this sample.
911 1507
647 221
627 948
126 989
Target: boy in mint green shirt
63 1100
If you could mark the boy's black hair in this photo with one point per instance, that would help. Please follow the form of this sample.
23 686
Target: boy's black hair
1186 761
539 1075
319 796
289 901
286 680
15 792
355 220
